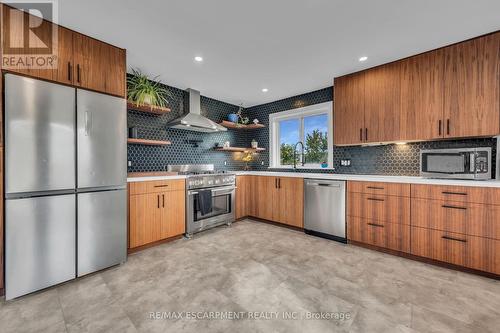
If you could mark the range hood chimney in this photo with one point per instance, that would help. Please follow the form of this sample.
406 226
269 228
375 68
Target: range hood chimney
193 120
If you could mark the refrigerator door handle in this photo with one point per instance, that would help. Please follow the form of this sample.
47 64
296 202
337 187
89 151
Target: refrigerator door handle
88 123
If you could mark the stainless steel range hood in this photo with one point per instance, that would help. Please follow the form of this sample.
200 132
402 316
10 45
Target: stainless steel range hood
193 120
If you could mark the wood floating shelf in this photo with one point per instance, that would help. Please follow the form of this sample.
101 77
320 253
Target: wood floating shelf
148 142
156 110
229 124
240 149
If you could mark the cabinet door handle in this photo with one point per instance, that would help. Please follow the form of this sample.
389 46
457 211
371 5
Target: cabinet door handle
158 199
161 185
453 193
454 207
78 73
440 124
376 225
70 69
360 134
375 188
275 182
448 126
163 198
454 239
375 199
279 182
366 134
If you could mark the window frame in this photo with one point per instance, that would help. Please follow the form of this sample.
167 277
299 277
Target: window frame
299 113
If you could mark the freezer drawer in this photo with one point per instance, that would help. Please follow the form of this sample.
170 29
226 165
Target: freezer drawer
324 210
40 243
102 230
102 140
39 135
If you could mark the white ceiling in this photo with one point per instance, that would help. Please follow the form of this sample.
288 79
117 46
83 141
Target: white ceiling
288 46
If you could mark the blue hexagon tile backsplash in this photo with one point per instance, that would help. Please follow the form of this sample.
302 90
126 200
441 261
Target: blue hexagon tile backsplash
400 160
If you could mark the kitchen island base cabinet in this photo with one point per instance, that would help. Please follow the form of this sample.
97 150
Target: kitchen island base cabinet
153 215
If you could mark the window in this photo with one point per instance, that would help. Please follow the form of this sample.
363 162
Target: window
311 125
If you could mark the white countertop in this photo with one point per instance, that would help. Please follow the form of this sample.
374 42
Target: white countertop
333 176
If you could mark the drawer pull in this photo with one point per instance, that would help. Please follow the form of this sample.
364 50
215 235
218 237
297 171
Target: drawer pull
375 188
377 225
454 207
454 193
375 199
454 239
161 185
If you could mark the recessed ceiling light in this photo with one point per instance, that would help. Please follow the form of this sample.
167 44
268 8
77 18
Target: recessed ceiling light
401 143
265 90
363 58
198 59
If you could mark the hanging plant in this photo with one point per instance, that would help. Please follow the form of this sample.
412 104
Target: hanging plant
144 91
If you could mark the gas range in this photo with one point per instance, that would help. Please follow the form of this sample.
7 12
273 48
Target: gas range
203 176
203 180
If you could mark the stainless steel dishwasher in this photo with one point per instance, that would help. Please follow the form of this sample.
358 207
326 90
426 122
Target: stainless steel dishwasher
324 210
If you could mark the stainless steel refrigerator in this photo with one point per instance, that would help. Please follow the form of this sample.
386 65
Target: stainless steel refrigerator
65 183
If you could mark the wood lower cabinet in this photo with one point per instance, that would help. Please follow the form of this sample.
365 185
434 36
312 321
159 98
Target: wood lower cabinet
458 249
378 214
379 207
278 199
242 196
1 223
459 225
154 215
394 236
288 206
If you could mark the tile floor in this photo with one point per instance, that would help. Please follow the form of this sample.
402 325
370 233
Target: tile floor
257 267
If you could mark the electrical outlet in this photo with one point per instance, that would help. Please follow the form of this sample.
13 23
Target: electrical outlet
129 163
346 162
225 162
262 163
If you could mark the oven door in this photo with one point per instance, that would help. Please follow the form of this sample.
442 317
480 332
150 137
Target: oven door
222 209
459 164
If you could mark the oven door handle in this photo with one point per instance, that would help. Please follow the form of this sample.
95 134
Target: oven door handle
217 191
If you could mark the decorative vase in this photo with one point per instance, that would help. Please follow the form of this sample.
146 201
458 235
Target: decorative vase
232 117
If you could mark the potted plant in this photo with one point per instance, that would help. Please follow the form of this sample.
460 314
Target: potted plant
144 91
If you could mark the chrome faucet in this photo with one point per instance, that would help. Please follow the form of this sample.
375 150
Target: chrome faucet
302 162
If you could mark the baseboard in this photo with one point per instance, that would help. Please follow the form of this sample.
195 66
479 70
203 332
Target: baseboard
147 246
256 219
426 260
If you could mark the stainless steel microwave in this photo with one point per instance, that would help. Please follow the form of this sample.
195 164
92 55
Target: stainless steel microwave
460 163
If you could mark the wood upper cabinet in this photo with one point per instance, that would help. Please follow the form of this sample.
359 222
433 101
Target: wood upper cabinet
349 106
422 98
288 208
54 68
472 87
382 103
99 66
453 92
79 60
